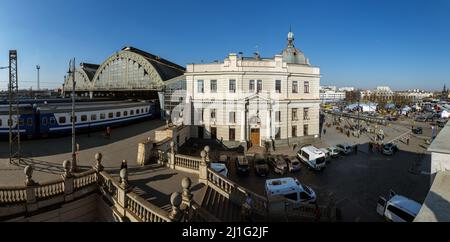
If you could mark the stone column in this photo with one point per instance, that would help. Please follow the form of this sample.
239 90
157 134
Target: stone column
98 167
68 181
203 169
122 193
171 157
30 184
175 214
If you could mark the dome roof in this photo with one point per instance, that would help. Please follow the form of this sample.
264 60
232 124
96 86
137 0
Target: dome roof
292 55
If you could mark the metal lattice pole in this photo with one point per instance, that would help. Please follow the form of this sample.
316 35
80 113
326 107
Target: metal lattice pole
14 112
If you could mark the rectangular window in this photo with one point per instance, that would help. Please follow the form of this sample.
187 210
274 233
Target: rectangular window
142 110
277 133
52 121
295 87
137 111
83 118
202 115
294 131
62 120
93 117
125 113
277 116
110 115
305 130
131 112
306 114
294 114
278 86
73 119
44 121
102 116
213 86
259 86
306 87
29 122
251 86
118 114
232 86
232 117
21 122
200 86
213 113
0 122
232 135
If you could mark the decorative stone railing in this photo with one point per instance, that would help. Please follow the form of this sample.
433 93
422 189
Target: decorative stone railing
221 182
108 186
49 190
84 179
12 195
144 211
188 162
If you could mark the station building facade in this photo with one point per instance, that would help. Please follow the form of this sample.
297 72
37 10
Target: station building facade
254 101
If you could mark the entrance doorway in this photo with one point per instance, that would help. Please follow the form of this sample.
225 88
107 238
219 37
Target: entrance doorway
213 133
255 137
201 132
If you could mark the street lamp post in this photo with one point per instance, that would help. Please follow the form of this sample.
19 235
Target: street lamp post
73 118
38 67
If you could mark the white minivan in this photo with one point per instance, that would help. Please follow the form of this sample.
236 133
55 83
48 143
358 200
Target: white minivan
313 157
291 189
398 208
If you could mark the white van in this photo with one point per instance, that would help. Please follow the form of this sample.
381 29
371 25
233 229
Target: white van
398 208
291 189
313 157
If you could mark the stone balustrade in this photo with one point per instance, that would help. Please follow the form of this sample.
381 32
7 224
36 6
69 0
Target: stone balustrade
84 179
188 162
144 211
221 182
49 190
12 195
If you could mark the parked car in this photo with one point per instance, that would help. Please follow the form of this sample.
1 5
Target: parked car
223 159
261 166
398 208
242 165
334 152
327 154
313 157
420 119
417 130
278 165
292 190
345 149
220 168
293 164
389 149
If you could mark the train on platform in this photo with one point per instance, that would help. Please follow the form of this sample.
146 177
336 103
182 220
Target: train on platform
42 119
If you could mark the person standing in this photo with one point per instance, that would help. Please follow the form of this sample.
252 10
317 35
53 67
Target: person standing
124 165
108 132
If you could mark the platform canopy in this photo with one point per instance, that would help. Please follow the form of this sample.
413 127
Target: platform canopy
132 69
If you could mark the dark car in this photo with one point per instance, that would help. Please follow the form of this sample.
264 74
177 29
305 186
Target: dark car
417 130
389 149
242 166
261 166
278 165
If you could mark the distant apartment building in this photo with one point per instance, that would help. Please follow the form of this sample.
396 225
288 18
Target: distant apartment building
346 89
330 94
254 101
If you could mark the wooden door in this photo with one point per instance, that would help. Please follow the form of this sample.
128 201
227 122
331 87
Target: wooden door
255 137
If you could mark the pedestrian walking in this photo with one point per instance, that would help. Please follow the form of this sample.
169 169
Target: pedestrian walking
124 165
407 141
324 131
356 149
108 132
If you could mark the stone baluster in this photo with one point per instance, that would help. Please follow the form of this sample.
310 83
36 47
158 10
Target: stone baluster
172 155
68 180
30 190
176 200
122 193
98 167
203 169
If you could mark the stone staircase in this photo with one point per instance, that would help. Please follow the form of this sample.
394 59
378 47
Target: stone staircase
220 206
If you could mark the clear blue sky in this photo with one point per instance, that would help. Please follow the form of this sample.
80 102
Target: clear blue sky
403 43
